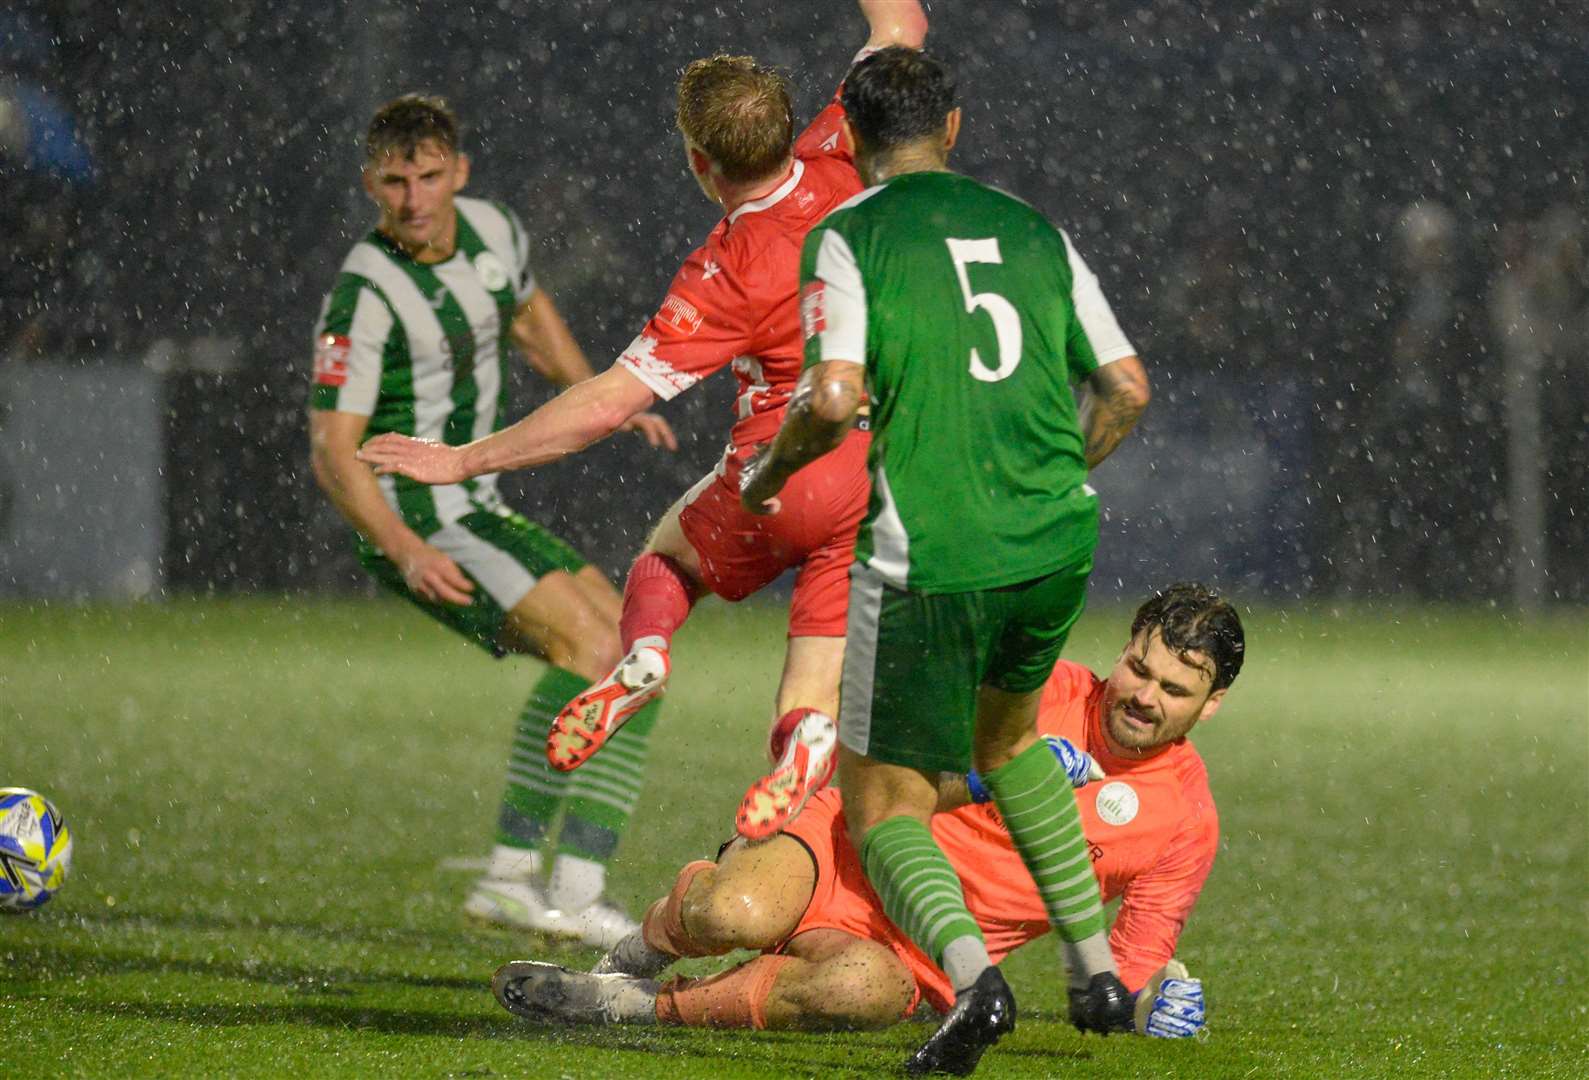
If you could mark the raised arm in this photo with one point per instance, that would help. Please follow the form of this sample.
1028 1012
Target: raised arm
1111 402
894 22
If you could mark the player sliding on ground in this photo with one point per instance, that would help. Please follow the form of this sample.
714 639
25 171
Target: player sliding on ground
733 301
830 956
965 317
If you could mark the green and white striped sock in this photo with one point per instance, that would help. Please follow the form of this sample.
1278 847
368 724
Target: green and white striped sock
601 795
535 790
1035 798
921 893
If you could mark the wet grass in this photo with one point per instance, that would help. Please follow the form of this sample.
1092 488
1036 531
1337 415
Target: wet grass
265 794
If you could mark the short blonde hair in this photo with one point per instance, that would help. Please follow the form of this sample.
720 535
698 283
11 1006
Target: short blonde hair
738 112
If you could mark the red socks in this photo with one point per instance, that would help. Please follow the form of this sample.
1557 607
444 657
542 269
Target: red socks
657 598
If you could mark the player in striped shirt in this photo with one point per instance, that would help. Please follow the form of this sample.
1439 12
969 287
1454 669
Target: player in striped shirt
830 956
734 303
414 337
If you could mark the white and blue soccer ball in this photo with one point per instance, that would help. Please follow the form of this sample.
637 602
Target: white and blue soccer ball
35 849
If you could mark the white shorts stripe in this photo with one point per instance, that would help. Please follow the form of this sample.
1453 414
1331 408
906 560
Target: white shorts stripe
860 659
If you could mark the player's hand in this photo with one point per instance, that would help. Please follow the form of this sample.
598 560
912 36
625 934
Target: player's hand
425 460
432 575
1078 764
1171 1005
758 487
657 431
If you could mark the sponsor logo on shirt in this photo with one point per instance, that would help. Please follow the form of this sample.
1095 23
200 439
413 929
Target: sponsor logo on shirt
1117 803
813 309
680 314
493 275
803 199
831 142
331 359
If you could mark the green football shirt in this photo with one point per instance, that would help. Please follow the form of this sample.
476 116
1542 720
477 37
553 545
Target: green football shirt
421 349
973 316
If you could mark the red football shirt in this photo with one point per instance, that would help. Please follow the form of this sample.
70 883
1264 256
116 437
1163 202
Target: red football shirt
734 299
1151 826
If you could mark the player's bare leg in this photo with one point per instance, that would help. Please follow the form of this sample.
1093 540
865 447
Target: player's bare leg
835 981
826 980
566 621
662 586
803 740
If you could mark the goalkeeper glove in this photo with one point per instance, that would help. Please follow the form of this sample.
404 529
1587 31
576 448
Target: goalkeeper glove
1078 765
1171 1006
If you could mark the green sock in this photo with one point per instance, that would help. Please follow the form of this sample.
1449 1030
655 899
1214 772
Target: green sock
1035 798
602 792
921 893
534 792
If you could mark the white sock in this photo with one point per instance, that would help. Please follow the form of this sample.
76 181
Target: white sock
513 864
1084 959
576 883
964 960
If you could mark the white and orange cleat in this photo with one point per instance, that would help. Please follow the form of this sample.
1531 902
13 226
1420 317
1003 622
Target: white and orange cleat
804 746
587 722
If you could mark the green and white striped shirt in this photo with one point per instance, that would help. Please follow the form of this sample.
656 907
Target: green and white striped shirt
421 349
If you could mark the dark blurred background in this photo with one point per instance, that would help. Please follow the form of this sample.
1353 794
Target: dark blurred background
1348 241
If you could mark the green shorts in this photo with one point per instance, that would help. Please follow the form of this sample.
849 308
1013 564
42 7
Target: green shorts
913 663
503 553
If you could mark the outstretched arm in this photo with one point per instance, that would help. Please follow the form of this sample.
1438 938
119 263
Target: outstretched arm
821 411
541 334
895 22
1113 398
582 414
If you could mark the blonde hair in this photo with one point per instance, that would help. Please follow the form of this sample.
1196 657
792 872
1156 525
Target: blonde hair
738 113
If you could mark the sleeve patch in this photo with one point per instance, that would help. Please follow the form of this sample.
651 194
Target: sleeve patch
680 314
813 311
331 359
641 358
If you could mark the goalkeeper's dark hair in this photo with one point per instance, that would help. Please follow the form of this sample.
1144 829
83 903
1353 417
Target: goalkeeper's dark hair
898 95
1193 618
406 123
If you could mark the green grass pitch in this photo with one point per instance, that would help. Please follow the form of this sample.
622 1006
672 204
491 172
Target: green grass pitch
266 795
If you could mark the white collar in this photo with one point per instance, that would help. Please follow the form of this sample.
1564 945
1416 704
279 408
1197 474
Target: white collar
775 197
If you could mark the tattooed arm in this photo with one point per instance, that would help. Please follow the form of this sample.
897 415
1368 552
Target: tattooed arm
821 412
1113 398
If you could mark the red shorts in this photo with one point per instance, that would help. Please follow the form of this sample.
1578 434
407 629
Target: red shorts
814 529
842 898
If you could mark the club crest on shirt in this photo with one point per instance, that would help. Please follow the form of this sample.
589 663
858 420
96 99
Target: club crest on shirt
1117 803
813 309
331 359
680 314
493 275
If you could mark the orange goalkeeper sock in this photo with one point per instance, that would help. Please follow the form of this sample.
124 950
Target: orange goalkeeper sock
735 998
663 925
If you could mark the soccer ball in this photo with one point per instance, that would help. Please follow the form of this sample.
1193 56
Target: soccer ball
35 849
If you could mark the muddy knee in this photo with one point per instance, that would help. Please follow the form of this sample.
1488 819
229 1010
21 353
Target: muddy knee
722 916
